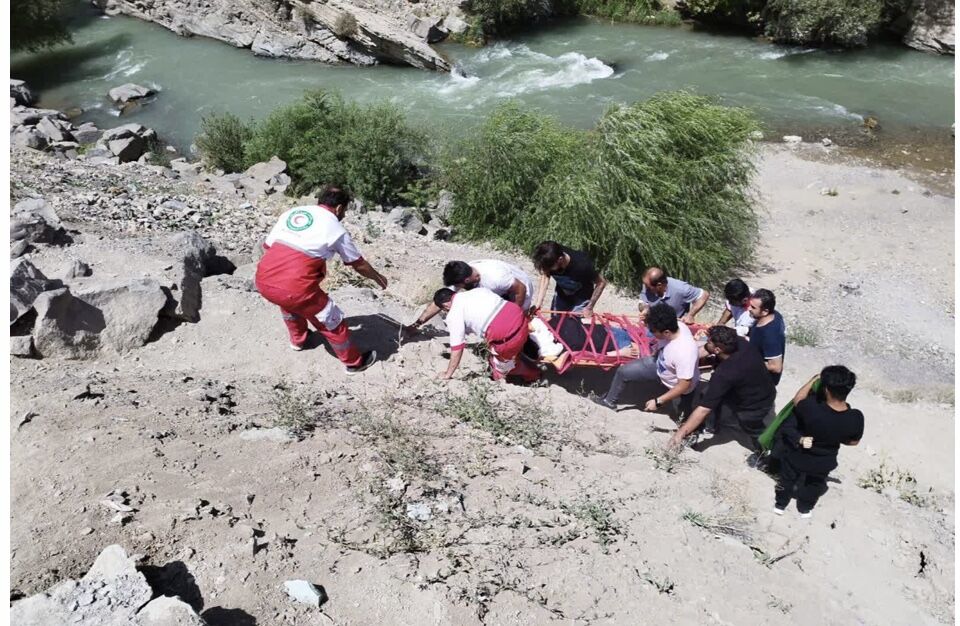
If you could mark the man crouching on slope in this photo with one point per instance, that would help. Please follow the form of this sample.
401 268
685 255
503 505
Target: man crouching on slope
295 261
502 324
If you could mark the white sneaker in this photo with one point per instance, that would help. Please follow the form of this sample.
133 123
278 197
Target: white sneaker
296 348
777 510
806 515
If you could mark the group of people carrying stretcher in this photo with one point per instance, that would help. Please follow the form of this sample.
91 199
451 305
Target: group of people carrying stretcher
661 344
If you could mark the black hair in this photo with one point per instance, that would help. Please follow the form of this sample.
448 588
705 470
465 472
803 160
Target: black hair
768 301
838 380
333 197
735 291
442 296
661 317
724 338
546 255
456 272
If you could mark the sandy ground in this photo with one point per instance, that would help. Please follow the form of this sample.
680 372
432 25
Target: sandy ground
541 506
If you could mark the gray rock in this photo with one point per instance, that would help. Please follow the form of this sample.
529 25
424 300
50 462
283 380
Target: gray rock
28 137
192 258
73 269
17 248
932 26
792 139
405 219
445 203
87 133
305 592
29 116
26 283
129 92
21 346
167 611
20 92
127 149
419 511
128 130
183 167
95 314
34 221
55 130
427 29
266 172
454 25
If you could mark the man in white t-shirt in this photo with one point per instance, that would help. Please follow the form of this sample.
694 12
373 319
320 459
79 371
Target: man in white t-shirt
675 366
501 323
737 307
506 280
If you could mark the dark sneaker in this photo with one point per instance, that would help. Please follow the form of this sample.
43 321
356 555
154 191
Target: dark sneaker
368 359
602 401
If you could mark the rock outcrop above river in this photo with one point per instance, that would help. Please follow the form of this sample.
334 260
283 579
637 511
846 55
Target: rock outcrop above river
932 26
333 32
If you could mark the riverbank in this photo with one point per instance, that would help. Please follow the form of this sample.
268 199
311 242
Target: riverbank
583 515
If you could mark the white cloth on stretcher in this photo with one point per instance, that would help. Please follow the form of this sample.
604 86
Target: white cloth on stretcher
541 335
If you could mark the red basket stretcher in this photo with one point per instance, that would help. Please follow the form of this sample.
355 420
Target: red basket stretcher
606 355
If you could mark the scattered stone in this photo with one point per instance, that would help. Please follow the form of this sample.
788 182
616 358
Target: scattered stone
55 130
427 29
455 25
121 519
86 530
87 133
305 592
26 116
73 269
129 92
28 137
26 419
419 511
21 346
851 287
34 221
792 139
26 284
826 142
405 219
20 92
17 248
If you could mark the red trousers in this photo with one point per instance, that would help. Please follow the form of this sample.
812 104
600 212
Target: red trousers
506 335
299 308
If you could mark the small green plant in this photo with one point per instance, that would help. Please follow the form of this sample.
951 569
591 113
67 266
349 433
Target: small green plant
885 477
781 605
291 411
158 153
667 459
522 425
597 515
420 193
803 335
221 142
399 447
733 525
650 12
662 584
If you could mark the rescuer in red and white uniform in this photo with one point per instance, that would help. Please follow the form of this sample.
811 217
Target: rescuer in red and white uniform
501 323
289 274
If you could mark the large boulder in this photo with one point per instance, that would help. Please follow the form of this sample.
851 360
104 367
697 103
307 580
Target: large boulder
167 611
34 221
26 116
191 253
427 29
128 142
94 314
26 283
932 26
28 137
112 593
55 129
129 92
267 171
20 92
407 220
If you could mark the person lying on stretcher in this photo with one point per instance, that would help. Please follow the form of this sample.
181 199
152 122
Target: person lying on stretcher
574 331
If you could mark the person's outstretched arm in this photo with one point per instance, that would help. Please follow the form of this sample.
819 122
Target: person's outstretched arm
599 284
366 270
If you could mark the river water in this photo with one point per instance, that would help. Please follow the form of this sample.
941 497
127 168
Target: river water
574 70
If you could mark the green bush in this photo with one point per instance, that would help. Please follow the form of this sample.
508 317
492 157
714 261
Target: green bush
841 22
370 150
221 141
730 13
664 181
499 17
638 11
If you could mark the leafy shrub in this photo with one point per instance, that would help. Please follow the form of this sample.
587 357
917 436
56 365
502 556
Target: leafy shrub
370 150
744 14
639 11
665 181
499 17
842 22
221 141
36 24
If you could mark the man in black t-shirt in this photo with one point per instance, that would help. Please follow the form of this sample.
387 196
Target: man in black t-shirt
579 284
812 436
740 382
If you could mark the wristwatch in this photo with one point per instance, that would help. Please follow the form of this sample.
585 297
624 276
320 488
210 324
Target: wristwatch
656 402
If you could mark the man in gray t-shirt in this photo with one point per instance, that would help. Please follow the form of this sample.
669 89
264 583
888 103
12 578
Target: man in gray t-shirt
685 299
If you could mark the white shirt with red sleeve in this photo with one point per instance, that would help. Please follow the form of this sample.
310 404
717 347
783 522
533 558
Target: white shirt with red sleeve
299 246
471 312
